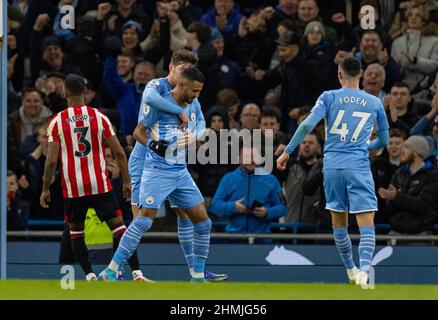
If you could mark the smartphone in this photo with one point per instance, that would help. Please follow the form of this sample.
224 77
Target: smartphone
255 204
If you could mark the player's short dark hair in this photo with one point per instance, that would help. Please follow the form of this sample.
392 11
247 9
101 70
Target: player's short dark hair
75 85
203 31
183 56
192 73
400 85
351 66
397 133
271 112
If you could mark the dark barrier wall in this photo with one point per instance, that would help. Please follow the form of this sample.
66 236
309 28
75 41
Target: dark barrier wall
247 263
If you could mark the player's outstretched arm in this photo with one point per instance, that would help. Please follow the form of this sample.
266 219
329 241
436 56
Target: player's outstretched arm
122 161
49 172
303 130
156 101
381 141
153 98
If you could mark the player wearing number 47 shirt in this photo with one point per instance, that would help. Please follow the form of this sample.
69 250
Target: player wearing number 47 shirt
77 136
350 115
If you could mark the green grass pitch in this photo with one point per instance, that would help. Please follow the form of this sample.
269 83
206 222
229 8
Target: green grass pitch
42 289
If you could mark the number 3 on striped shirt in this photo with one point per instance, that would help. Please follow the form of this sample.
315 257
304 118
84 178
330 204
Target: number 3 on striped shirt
82 141
343 131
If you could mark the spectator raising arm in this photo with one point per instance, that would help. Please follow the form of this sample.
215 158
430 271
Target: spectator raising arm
422 124
115 83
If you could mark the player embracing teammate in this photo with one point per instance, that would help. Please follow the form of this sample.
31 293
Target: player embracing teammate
165 173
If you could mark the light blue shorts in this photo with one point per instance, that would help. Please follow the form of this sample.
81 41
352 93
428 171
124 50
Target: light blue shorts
135 168
177 186
348 190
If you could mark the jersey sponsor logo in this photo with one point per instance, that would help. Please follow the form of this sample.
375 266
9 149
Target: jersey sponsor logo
150 200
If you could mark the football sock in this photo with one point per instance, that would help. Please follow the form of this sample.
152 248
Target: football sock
185 236
201 244
343 244
133 260
130 240
80 250
367 245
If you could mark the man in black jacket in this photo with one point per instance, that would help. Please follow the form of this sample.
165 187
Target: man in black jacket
383 168
413 193
300 79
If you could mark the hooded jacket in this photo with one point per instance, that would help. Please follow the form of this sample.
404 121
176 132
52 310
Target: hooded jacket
238 184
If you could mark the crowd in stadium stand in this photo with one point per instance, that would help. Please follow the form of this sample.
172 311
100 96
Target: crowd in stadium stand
265 62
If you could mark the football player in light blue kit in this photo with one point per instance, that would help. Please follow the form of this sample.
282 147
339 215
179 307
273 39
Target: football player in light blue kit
153 98
165 174
350 115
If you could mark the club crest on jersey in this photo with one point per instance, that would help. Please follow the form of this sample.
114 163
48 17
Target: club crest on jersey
193 116
150 200
146 109
154 83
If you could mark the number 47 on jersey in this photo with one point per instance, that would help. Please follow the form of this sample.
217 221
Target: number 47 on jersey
342 129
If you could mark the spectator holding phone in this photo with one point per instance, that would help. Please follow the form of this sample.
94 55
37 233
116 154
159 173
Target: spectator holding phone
250 197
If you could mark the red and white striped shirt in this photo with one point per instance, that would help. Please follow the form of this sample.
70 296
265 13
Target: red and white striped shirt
81 132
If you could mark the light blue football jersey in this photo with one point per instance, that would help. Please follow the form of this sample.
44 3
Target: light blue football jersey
165 127
162 85
350 116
